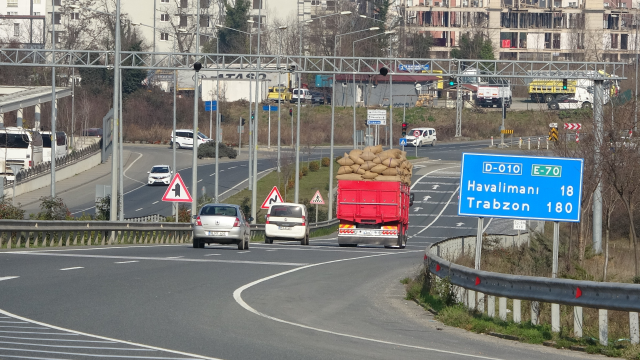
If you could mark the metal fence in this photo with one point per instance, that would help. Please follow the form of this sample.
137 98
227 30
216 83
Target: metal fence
471 286
35 233
45 167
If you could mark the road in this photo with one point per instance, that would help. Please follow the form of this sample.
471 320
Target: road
276 301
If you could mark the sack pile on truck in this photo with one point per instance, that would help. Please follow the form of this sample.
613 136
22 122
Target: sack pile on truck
374 164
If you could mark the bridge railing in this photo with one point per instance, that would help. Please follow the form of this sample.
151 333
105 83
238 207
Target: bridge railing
471 286
37 233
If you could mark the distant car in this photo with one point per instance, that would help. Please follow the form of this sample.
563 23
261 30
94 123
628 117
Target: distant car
159 174
287 221
221 224
317 98
184 138
422 136
92 132
305 95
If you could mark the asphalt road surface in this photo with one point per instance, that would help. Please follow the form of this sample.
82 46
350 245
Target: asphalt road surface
273 301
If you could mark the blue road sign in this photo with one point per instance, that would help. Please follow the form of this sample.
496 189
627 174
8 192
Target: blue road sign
269 108
403 142
210 105
520 187
376 122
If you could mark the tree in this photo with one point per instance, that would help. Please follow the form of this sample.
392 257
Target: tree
419 45
234 42
477 46
132 78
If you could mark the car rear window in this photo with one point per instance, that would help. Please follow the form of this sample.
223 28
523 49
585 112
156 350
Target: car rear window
219 211
288 211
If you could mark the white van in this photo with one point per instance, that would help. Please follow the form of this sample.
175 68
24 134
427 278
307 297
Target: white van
421 136
184 138
305 95
19 146
62 145
287 221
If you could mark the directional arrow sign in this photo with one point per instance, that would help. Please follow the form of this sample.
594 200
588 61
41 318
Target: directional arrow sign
426 198
435 187
415 209
460 224
177 191
274 197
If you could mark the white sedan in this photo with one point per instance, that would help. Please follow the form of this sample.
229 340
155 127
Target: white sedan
160 174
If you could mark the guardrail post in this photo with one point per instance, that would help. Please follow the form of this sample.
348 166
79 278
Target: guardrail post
480 306
577 321
555 317
502 308
491 306
634 334
517 311
535 313
471 301
529 144
603 325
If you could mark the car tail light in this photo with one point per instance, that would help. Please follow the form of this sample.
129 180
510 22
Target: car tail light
303 220
198 222
236 223
30 163
267 219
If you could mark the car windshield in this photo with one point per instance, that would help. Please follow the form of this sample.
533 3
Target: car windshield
218 211
160 170
415 132
202 135
286 211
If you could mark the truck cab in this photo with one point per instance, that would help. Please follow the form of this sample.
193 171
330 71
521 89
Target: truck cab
279 93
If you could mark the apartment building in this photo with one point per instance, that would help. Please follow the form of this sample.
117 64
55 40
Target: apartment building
532 29
22 22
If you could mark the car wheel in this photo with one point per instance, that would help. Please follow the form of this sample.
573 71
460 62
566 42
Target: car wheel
305 241
196 243
586 105
241 245
433 143
246 244
549 98
178 144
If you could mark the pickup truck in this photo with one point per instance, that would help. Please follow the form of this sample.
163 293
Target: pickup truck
490 95
373 212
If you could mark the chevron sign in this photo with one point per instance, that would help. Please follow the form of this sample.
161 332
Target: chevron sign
572 126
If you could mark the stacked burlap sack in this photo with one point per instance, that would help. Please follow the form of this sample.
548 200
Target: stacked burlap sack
374 164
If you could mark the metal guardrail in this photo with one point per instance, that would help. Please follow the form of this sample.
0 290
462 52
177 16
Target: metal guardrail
36 233
600 295
62 161
155 218
258 229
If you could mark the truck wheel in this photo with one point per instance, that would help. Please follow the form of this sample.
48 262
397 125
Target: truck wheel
586 105
548 98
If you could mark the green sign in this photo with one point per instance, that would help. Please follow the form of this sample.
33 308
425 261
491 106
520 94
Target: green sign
546 170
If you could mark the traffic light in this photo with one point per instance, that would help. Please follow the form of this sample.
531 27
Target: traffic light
384 71
404 129
242 121
253 115
290 112
452 81
564 84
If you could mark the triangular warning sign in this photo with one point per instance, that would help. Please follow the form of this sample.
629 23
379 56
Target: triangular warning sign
273 198
317 199
177 191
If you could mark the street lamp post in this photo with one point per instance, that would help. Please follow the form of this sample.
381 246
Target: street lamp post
279 94
54 107
194 173
116 122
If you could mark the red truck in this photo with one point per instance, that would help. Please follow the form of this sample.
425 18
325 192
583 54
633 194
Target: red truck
373 212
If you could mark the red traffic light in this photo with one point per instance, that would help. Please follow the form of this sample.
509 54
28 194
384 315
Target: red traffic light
404 126
290 111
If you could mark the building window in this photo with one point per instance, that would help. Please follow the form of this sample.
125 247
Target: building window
164 17
12 3
205 3
75 16
36 13
164 36
331 5
57 2
12 13
16 29
56 19
184 4
257 4
183 20
164 1
315 3
204 20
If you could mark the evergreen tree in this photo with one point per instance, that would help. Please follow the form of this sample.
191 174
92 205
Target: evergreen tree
233 42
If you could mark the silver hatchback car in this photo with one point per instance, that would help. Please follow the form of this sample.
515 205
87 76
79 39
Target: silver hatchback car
221 224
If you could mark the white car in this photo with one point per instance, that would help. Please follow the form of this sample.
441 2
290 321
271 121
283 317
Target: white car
287 221
184 138
305 95
159 174
421 136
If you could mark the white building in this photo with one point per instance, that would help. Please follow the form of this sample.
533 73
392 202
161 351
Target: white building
22 22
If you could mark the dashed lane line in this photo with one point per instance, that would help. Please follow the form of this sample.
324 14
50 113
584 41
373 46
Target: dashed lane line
8 277
72 268
139 209
126 262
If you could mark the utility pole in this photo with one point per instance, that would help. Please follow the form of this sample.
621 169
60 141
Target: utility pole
255 142
113 206
598 103
54 105
194 161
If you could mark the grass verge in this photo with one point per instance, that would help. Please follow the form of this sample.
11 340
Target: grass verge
438 296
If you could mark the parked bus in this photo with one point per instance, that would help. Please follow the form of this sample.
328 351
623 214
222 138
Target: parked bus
62 145
19 146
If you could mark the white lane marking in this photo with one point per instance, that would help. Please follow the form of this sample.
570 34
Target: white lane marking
429 173
488 223
32 332
272 250
23 327
243 252
67 346
8 278
221 170
67 340
237 295
139 209
199 180
159 259
233 167
174 257
79 354
73 332
433 191
437 217
14 322
72 268
126 262
242 182
212 174
212 255
155 202
124 173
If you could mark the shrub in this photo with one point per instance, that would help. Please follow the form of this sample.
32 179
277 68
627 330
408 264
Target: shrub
300 175
184 213
314 166
208 150
8 211
290 184
52 208
304 171
325 161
